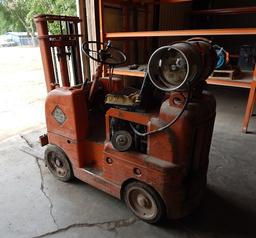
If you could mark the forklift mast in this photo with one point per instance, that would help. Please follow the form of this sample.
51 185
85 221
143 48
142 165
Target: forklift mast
59 41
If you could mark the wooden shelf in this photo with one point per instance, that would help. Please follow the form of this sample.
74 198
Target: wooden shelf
226 11
201 32
138 2
125 71
240 83
167 1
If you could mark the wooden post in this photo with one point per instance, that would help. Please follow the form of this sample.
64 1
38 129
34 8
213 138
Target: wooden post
250 103
92 32
135 28
145 43
101 20
81 12
126 26
102 30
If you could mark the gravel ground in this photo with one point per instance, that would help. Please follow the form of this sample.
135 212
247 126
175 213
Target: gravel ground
22 91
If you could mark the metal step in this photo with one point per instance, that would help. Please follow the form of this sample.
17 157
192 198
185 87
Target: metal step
93 170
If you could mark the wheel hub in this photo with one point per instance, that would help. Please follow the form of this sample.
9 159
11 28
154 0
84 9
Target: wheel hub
121 140
58 163
143 201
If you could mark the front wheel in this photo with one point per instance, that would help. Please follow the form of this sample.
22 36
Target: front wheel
144 202
58 163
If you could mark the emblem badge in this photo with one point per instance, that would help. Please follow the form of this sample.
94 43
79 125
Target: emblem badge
59 115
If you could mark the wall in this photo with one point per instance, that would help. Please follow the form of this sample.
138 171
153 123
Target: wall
231 43
177 16
114 21
174 17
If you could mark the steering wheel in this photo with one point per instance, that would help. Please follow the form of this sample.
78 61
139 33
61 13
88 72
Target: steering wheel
106 54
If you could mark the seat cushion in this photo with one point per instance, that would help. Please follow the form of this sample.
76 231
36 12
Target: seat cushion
126 97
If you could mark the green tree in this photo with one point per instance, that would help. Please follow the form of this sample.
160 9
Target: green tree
8 20
17 15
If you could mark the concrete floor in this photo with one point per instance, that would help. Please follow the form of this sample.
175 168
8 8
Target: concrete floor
34 204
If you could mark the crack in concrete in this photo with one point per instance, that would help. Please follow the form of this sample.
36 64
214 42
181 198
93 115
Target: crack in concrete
107 226
30 151
42 188
26 140
45 194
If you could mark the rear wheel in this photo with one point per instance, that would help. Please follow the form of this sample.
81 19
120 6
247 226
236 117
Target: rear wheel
144 202
58 163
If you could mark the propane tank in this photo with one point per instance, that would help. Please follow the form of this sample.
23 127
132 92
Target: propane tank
178 65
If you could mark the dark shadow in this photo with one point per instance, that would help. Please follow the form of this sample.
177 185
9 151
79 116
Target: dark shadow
77 181
251 132
217 217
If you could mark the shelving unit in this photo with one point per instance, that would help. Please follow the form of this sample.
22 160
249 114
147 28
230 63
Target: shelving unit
240 83
244 83
200 32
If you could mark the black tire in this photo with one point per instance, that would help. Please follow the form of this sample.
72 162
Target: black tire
58 163
144 202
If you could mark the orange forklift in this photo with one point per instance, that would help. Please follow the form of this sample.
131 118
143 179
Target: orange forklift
148 145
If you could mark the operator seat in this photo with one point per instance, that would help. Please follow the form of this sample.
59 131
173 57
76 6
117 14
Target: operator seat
135 99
